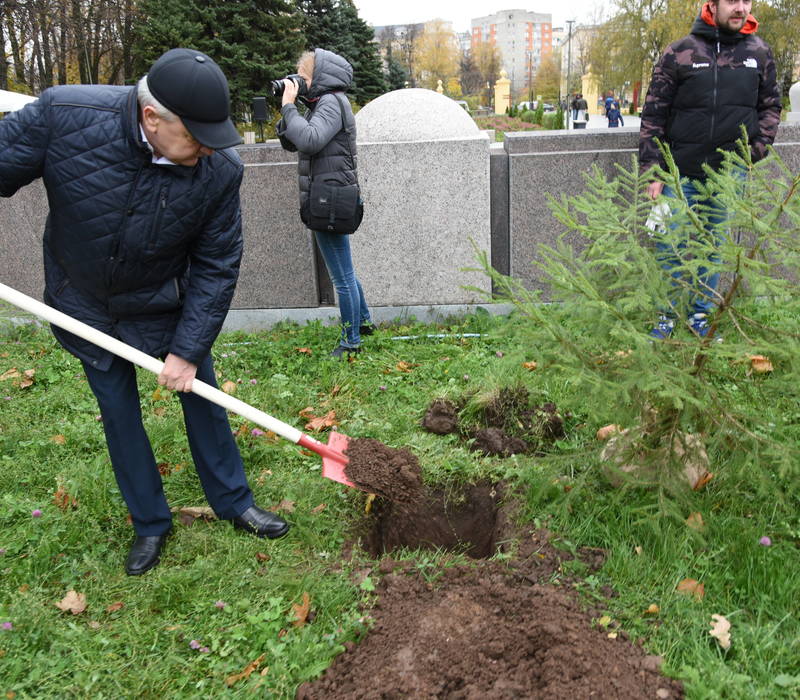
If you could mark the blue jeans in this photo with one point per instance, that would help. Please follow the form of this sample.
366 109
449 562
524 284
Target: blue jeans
335 249
701 300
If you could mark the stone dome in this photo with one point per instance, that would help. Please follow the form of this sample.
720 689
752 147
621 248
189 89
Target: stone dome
413 114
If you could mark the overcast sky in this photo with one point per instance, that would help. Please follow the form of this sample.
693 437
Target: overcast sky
461 12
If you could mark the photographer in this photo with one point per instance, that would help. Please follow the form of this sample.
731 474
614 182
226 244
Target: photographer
325 140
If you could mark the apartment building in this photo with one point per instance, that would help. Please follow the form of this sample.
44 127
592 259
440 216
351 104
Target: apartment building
523 39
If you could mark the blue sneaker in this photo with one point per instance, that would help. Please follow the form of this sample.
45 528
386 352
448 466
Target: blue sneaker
699 324
663 329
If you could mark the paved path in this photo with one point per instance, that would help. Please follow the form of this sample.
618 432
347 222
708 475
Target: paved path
598 121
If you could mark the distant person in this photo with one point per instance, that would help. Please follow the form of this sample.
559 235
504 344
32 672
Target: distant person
609 103
143 242
704 88
326 149
614 115
574 106
583 109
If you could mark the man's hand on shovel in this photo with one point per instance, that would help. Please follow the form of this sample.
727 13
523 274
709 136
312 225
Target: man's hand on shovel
178 374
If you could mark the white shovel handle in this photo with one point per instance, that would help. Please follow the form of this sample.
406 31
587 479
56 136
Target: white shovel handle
125 351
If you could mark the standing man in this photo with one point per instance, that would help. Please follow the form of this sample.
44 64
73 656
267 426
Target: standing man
704 88
143 242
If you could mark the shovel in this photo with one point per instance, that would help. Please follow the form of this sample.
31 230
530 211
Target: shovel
333 459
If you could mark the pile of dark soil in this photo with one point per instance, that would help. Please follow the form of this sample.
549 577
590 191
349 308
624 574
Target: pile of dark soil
391 473
507 424
489 630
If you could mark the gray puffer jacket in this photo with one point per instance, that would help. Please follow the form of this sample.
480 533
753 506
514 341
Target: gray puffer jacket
320 133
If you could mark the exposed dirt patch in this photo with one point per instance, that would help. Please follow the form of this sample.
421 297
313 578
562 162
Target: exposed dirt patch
490 630
505 424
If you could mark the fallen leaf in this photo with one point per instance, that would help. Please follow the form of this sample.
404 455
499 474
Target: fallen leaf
695 521
28 381
612 635
691 587
304 351
12 373
58 439
188 515
262 557
252 666
159 411
530 366
368 504
301 611
118 605
285 505
229 387
403 366
24 588
320 422
95 625
653 609
760 364
307 412
73 602
607 431
702 481
164 469
638 550
158 395
604 621
63 500
721 630
335 391
319 508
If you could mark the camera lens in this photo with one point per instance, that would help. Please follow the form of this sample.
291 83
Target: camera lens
277 87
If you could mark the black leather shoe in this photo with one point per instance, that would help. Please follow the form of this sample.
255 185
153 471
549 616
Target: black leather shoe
145 554
261 523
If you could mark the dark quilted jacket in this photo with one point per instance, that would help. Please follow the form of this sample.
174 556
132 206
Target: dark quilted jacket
146 253
703 89
320 133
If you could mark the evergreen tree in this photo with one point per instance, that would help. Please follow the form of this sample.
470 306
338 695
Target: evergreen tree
396 75
254 41
335 25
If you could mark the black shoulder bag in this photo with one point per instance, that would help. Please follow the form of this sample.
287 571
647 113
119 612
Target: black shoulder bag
332 206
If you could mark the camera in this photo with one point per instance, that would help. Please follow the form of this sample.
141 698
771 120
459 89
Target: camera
278 86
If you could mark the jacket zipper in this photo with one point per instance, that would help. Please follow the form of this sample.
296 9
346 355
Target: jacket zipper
121 233
714 100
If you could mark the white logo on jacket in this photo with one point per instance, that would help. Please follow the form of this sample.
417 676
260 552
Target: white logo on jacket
750 63
700 65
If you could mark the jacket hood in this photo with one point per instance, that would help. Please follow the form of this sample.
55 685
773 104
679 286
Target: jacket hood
705 25
331 72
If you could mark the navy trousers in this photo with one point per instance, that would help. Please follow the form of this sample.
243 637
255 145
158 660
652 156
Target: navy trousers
214 451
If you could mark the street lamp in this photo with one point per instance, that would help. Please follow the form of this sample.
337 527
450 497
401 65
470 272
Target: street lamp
570 22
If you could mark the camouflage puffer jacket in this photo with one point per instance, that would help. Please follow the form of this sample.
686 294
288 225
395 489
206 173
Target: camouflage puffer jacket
704 88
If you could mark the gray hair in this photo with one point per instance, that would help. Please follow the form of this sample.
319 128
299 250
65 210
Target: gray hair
146 99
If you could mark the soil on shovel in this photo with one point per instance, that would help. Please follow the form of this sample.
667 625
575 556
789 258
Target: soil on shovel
383 470
489 630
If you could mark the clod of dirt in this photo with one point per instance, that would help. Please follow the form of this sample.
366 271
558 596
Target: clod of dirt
441 417
388 472
489 630
493 441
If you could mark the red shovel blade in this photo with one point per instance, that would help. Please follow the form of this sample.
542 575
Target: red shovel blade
333 466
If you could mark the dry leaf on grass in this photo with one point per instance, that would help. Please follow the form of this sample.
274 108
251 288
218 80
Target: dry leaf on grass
12 373
318 423
307 412
73 602
304 351
607 431
653 609
285 505
252 666
319 508
721 630
262 557
189 514
530 366
118 605
229 387
691 587
63 500
28 380
405 366
760 364
702 481
58 439
695 521
301 611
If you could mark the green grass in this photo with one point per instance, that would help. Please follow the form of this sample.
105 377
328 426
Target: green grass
143 649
